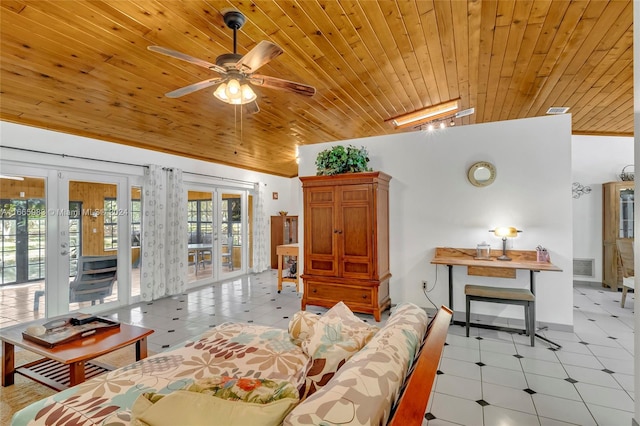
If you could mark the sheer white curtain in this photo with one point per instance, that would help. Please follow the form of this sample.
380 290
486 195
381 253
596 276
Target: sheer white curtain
260 243
164 230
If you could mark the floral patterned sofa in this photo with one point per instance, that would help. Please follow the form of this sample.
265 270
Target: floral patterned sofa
328 369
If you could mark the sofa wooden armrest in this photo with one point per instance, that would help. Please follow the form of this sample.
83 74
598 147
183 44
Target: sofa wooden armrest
413 401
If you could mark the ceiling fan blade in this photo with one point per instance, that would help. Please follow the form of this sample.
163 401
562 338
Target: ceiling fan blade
258 56
194 87
190 59
278 83
252 107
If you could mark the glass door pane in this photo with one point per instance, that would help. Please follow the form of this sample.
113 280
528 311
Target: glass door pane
201 235
626 213
136 238
93 227
23 222
232 232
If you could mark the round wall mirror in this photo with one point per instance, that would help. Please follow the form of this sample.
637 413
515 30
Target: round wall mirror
482 173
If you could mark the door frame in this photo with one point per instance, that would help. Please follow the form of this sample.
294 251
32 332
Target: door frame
59 303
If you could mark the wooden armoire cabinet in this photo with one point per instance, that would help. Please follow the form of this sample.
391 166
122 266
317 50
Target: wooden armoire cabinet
617 222
346 241
284 230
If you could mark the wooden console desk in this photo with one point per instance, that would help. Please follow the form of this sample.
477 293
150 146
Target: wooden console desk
521 259
287 250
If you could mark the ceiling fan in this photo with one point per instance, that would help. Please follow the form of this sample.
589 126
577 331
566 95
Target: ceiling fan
237 71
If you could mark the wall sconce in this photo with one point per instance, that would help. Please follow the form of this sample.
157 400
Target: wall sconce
505 232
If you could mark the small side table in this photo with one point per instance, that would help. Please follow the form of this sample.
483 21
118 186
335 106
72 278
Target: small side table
292 251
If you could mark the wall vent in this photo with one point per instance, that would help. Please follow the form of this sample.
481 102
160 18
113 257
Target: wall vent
465 112
557 110
584 268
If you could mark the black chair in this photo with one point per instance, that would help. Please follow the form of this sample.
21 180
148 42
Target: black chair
94 280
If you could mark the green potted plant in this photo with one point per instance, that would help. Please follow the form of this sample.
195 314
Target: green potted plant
338 159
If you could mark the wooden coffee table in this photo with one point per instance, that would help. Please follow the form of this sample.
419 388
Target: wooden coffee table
67 364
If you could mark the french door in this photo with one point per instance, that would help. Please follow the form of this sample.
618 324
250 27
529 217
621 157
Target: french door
233 232
24 241
202 234
218 237
93 242
51 221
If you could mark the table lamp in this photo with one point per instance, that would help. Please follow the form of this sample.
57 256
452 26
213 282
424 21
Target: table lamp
505 232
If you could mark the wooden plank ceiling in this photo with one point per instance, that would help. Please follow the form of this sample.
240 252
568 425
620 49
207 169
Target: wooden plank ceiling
83 67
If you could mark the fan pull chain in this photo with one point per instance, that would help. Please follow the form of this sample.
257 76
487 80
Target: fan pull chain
235 124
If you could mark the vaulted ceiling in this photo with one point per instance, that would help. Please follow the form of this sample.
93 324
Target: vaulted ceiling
83 67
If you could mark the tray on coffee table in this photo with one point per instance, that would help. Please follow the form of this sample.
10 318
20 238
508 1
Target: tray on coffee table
67 332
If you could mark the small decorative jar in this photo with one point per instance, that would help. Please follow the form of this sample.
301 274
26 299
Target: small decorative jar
483 251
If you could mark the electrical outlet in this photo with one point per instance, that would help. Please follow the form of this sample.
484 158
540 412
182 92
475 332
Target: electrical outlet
424 284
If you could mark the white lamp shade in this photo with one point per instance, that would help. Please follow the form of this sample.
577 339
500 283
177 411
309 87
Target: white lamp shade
233 88
505 231
248 95
221 93
235 94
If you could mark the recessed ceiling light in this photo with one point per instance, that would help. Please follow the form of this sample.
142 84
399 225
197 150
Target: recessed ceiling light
557 110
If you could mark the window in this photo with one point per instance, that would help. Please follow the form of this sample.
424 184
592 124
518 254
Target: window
200 221
75 236
110 224
22 246
9 229
136 222
232 220
36 231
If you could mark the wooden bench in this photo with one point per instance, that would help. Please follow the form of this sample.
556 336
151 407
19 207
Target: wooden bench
512 296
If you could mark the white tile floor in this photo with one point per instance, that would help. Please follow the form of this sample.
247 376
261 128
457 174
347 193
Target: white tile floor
490 378
496 378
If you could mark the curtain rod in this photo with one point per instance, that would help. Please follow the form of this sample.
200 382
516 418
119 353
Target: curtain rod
126 164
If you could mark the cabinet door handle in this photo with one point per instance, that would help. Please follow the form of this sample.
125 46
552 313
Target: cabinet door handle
315 290
364 296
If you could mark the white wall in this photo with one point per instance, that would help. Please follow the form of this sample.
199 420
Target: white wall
636 156
15 135
595 160
433 204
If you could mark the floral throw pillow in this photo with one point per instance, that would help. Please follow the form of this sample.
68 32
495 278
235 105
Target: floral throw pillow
248 389
336 337
239 401
301 326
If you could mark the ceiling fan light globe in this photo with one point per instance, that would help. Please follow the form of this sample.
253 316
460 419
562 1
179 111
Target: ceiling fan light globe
248 95
221 93
233 88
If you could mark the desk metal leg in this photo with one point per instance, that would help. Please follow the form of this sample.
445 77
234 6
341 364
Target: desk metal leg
451 289
532 285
